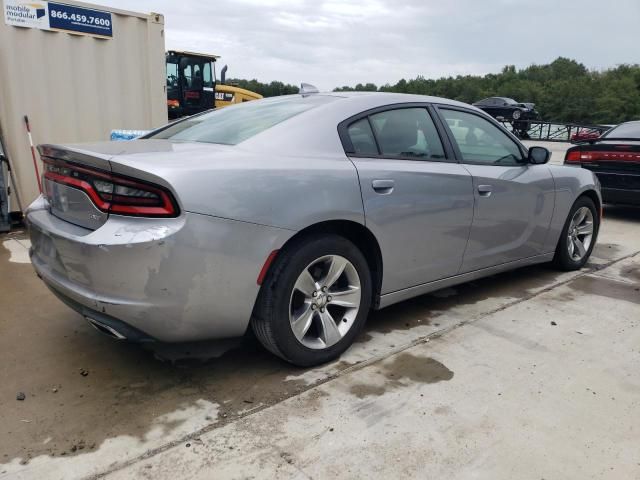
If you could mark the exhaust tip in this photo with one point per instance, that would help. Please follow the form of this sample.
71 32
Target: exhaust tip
106 329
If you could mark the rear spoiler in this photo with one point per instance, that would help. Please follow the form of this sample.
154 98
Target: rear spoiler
77 154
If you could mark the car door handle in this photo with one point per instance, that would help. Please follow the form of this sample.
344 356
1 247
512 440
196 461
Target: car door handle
485 190
383 186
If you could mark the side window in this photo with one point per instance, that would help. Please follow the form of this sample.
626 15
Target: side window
208 81
480 141
172 74
407 132
361 138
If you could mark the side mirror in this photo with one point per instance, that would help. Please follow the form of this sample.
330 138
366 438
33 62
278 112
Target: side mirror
538 155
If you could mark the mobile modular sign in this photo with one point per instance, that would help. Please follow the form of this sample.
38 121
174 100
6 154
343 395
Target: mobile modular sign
58 16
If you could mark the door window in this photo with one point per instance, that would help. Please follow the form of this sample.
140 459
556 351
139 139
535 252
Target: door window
481 142
407 132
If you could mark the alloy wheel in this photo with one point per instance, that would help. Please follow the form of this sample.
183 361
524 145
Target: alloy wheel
325 301
580 233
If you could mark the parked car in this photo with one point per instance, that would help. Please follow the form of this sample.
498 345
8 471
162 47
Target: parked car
507 108
615 159
296 215
586 133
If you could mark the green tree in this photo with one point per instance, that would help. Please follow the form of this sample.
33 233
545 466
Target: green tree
563 90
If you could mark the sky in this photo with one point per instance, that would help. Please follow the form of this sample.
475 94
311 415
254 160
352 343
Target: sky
331 43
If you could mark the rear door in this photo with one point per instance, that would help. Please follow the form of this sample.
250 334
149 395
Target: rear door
514 200
418 200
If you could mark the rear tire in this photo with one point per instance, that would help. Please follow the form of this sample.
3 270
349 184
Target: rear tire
287 303
578 235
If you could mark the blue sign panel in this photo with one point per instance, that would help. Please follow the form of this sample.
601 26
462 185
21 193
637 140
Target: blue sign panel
79 19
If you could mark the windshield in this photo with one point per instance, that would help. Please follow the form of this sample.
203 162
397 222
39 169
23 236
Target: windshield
235 124
625 130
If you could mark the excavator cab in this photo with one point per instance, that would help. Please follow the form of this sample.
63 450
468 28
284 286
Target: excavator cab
191 83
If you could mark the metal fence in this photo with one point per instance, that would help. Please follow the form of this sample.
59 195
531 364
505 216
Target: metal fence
554 131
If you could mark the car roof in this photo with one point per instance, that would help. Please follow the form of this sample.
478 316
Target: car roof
634 134
376 99
315 132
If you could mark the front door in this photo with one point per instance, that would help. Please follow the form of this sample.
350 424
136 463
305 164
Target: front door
514 200
418 200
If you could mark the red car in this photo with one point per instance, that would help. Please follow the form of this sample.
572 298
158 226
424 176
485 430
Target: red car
585 134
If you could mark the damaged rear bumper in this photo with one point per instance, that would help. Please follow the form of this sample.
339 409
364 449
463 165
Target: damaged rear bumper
180 279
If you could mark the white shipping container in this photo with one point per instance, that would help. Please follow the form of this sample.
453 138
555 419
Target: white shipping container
73 85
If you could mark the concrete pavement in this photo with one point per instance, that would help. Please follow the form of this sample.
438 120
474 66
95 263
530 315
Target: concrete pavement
545 388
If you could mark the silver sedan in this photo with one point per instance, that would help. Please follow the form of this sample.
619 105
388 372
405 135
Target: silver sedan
296 215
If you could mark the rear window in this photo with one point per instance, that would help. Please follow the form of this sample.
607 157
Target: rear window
235 124
626 130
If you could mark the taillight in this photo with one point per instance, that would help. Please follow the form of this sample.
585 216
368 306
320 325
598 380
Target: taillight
577 156
173 103
572 156
113 193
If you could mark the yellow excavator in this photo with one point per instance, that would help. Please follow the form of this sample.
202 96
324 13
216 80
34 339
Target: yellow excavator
192 87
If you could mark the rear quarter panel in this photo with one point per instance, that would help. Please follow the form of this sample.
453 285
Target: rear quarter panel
290 192
570 183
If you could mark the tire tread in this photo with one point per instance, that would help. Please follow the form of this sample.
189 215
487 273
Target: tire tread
561 258
265 311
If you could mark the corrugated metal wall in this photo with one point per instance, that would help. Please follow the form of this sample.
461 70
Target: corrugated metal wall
77 88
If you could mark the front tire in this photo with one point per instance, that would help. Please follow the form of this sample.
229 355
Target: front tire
314 301
578 235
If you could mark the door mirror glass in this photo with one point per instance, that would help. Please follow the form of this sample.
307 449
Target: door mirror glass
538 155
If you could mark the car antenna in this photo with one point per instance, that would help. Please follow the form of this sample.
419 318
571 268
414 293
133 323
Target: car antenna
307 89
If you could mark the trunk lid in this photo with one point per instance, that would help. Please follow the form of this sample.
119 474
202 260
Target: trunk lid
97 164
617 155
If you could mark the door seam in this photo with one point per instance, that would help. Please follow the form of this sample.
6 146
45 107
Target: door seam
473 216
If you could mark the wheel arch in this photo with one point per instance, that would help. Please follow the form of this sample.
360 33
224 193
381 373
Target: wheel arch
356 233
593 195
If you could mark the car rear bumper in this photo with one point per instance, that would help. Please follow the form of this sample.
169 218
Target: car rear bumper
620 196
106 324
178 279
619 187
